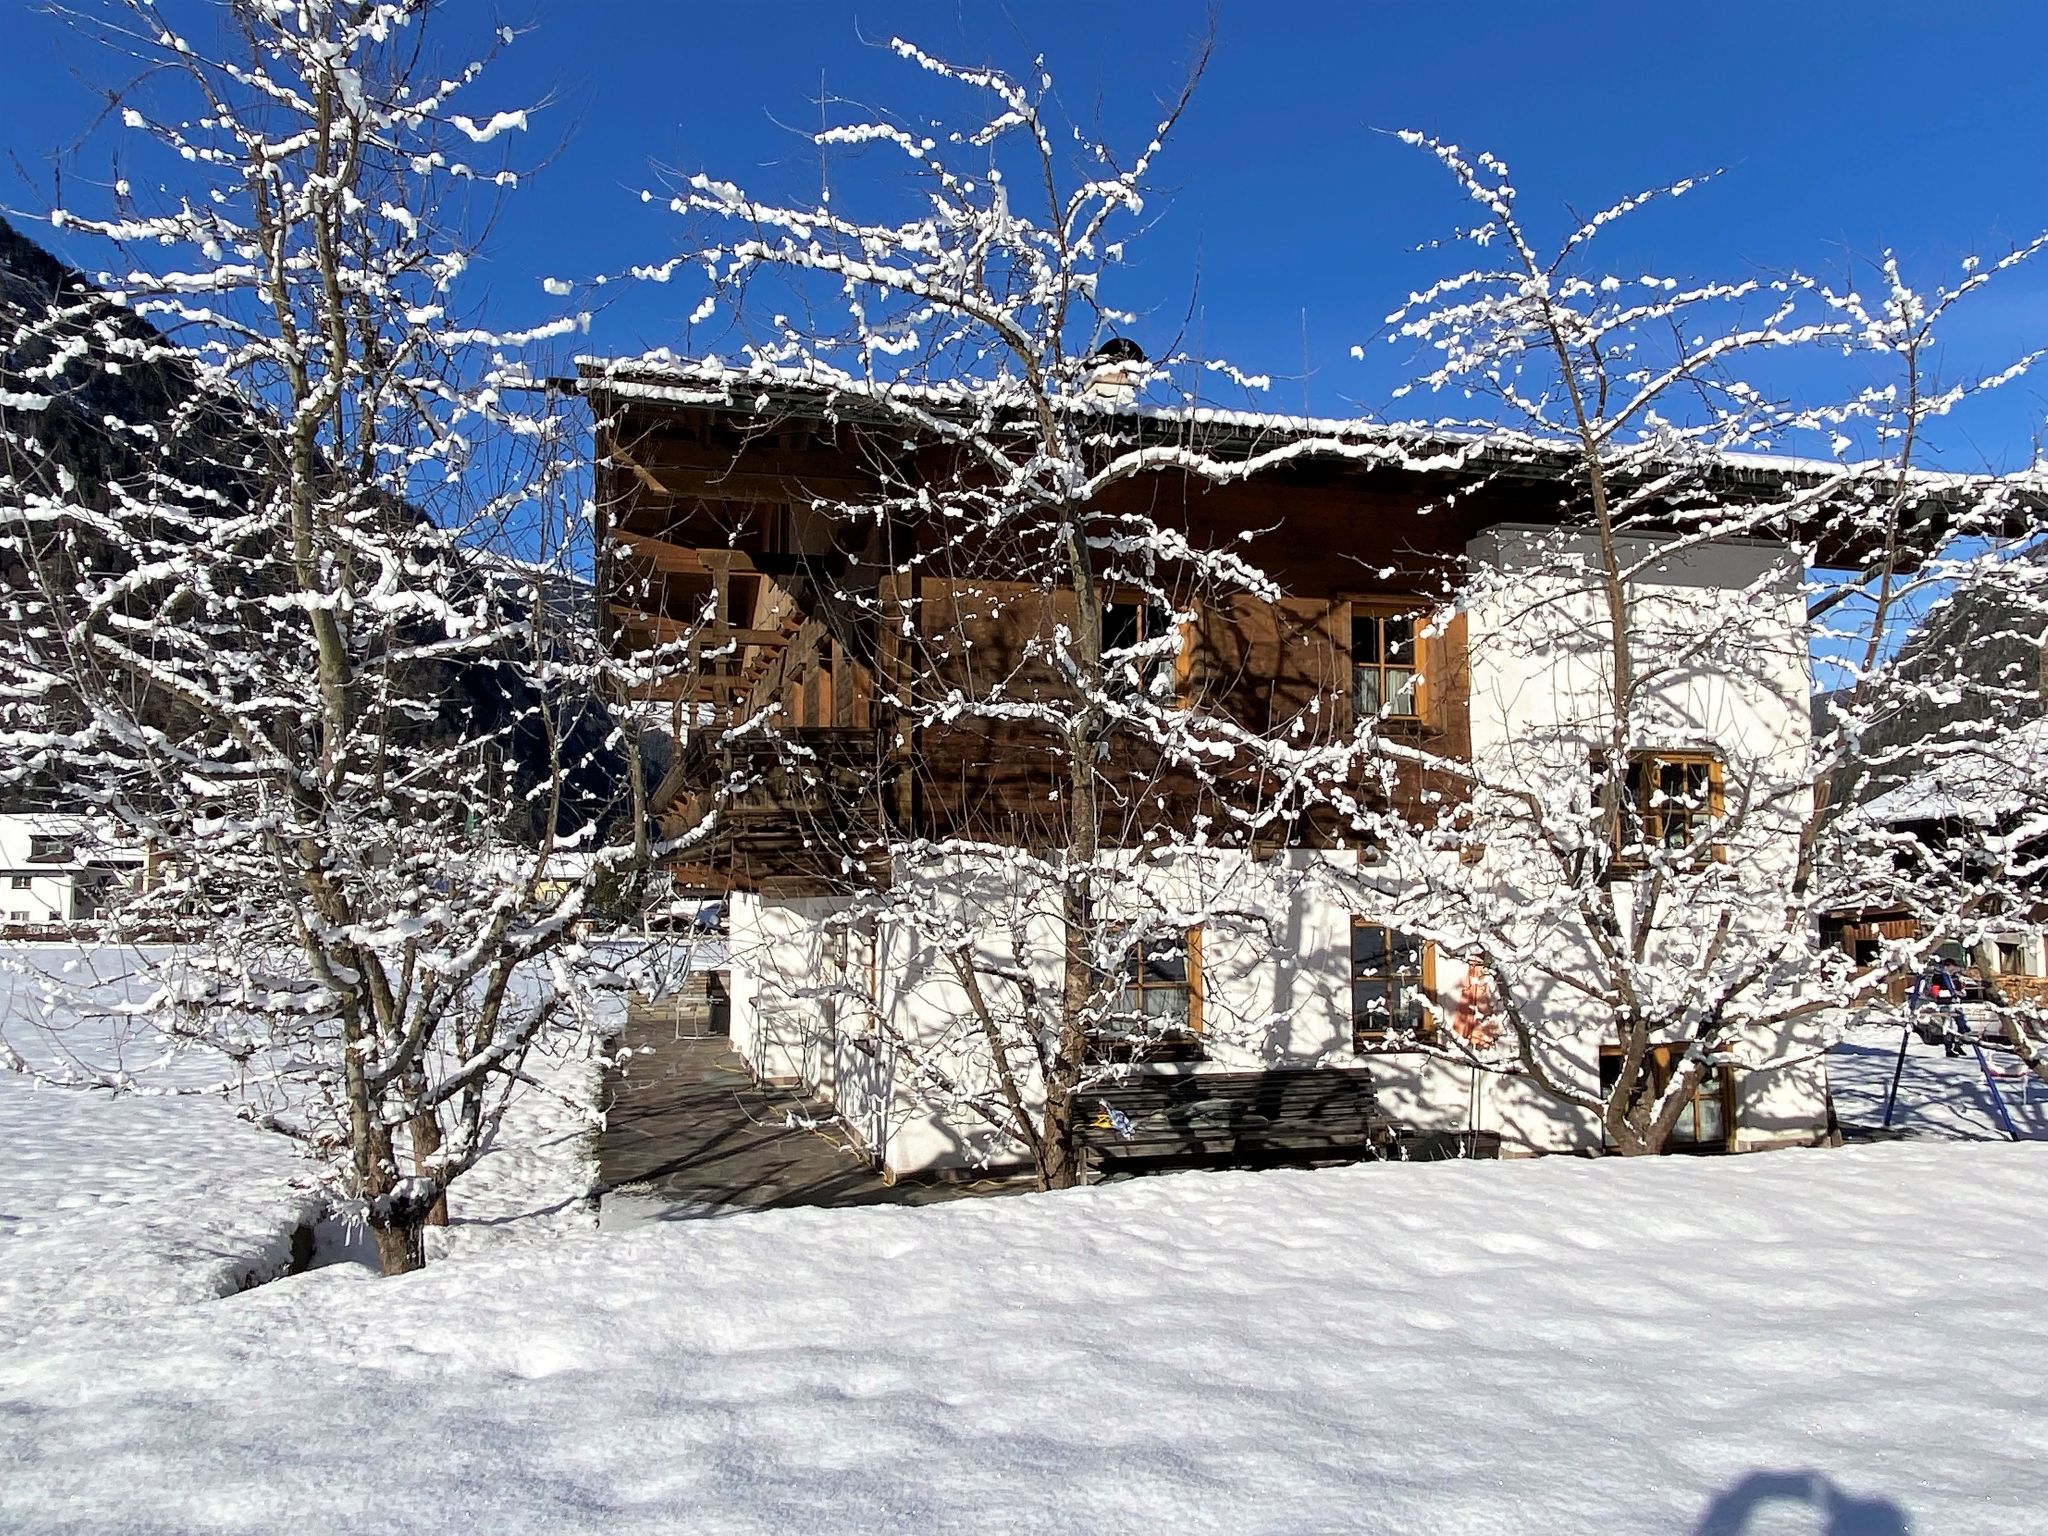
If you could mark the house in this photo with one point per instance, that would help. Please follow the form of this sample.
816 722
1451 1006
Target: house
1955 768
57 870
1983 795
714 544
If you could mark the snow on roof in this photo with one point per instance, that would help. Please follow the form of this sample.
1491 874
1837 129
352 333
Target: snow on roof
664 379
1990 780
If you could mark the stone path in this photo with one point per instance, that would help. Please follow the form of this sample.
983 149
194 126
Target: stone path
687 1129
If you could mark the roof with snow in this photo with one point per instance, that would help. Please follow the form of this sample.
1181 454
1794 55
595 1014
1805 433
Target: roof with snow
1982 785
759 388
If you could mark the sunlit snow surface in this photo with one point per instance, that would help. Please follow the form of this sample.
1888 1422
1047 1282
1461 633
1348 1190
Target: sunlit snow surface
113 1205
1803 1342
1555 1346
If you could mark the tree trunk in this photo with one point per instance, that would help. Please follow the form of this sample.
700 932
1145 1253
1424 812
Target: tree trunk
1071 1053
425 1129
1084 737
400 1249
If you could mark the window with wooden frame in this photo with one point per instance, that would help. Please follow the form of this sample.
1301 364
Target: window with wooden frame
1386 668
1391 982
1158 1014
1707 1123
1672 800
1130 623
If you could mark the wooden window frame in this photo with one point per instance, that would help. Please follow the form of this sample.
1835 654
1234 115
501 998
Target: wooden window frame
1378 1039
1646 825
1182 1044
1660 1062
1377 611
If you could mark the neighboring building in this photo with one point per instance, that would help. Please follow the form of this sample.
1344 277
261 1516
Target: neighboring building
1979 660
706 500
56 870
1987 790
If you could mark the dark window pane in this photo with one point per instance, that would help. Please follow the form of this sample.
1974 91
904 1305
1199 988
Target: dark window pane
1365 639
1408 1008
1119 626
1404 951
1400 640
1165 965
1368 949
1370 1004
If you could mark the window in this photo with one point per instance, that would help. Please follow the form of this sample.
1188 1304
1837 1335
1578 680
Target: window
1705 1122
2012 959
17 917
1158 1014
21 882
51 850
1127 625
1671 800
1389 993
1384 677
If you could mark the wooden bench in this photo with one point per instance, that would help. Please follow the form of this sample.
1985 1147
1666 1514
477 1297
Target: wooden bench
1210 1118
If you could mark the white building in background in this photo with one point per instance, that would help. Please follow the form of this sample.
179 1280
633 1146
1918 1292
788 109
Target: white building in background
57 870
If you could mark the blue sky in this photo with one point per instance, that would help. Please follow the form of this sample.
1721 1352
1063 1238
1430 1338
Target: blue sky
1844 128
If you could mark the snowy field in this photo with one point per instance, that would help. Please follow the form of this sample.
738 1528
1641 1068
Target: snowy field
1842 1342
1847 1342
117 1204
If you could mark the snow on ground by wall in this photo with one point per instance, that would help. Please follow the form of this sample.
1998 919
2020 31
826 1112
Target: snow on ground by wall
1939 1096
117 1204
1669 1345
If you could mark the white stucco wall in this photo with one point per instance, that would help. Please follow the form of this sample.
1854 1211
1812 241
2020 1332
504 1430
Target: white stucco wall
37 891
1720 638
1275 951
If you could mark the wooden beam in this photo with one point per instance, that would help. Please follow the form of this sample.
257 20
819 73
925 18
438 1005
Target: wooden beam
685 689
716 478
707 636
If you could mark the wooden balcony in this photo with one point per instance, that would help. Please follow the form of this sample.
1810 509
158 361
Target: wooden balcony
784 809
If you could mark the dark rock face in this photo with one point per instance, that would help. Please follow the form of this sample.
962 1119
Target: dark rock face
129 410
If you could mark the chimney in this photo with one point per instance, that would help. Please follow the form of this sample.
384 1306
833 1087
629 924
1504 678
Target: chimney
1114 371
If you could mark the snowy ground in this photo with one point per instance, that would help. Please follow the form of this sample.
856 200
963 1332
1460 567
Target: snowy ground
1845 1342
1555 1346
115 1204
112 1205
1939 1096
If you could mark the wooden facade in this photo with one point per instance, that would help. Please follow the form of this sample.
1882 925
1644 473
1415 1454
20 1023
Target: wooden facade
711 544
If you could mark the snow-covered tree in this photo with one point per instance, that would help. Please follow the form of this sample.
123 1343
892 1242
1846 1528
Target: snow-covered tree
301 617
957 315
1649 861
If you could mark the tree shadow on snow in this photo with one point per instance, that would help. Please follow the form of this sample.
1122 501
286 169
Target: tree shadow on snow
1845 1514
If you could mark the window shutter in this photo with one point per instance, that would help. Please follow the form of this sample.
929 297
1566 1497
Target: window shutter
1429 1002
1195 980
